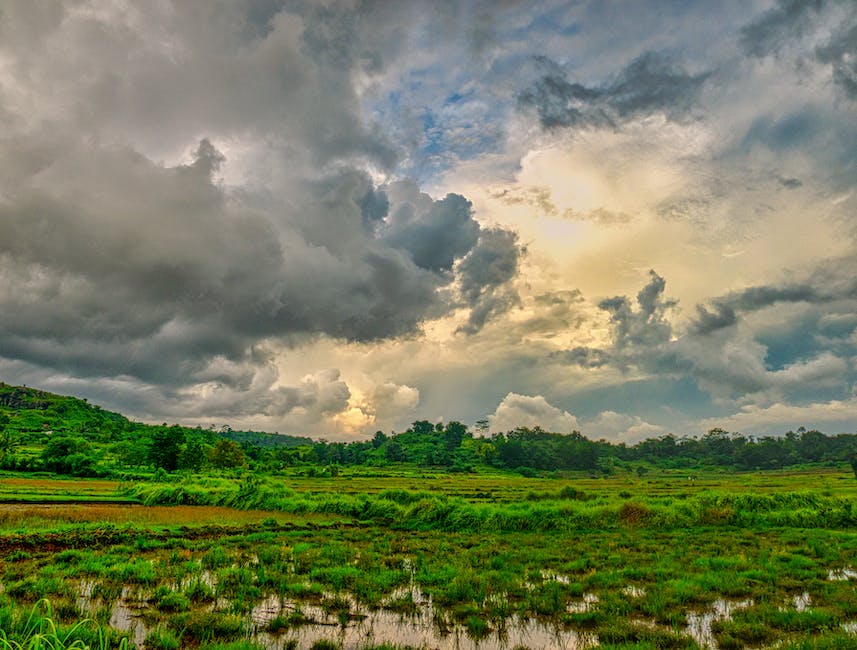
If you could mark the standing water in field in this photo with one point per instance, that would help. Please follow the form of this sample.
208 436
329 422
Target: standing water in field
418 630
841 574
422 626
125 615
699 624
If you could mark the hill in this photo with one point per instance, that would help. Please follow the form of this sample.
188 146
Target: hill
40 430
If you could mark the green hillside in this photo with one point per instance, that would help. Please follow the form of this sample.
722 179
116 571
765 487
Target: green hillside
42 431
29 410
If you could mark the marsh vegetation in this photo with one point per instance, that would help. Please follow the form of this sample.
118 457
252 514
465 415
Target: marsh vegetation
492 561
625 554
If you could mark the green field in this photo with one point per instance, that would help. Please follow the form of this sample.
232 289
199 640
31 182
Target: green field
428 559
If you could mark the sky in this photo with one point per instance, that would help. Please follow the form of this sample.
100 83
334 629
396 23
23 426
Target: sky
331 218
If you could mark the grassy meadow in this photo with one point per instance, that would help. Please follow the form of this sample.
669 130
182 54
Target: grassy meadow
412 558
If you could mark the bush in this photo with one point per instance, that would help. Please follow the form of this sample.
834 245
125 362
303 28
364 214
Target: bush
634 514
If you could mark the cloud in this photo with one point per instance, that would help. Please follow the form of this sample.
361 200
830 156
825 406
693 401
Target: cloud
618 427
644 326
530 411
321 394
122 258
718 351
708 321
120 74
652 83
831 24
725 309
841 53
485 275
640 334
205 203
538 197
785 22
789 183
390 402
835 416
434 233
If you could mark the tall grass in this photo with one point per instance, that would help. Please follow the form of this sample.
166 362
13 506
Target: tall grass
561 511
39 632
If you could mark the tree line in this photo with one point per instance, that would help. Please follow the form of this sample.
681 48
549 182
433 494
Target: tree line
41 431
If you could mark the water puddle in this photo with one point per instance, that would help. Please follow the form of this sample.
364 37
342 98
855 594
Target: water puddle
842 574
699 624
802 602
383 627
83 597
407 618
585 604
125 615
561 578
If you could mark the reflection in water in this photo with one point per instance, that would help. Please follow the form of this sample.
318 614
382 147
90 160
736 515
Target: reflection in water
125 615
699 624
83 598
802 601
407 617
842 574
388 627
585 604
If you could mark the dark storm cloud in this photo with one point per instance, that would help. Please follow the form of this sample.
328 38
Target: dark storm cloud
652 83
434 233
781 355
116 265
646 325
717 318
374 205
726 309
793 20
718 356
841 53
641 334
584 357
163 74
788 20
485 275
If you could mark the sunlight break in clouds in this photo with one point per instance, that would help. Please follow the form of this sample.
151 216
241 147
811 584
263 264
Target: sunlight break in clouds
328 218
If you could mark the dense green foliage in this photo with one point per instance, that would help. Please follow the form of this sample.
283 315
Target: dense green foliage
65 435
42 431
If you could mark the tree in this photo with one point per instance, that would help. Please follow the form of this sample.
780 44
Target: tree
453 434
422 427
394 452
129 453
7 440
165 447
227 454
193 456
68 455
